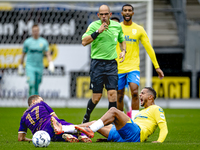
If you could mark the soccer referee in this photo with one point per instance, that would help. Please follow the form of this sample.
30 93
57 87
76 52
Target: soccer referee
103 35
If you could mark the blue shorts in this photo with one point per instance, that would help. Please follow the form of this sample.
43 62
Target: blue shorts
129 133
125 78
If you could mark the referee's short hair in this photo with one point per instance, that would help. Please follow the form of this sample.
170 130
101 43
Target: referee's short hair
35 25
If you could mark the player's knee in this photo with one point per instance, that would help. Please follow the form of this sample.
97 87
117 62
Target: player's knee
31 83
95 101
113 110
96 98
135 93
120 95
112 95
120 98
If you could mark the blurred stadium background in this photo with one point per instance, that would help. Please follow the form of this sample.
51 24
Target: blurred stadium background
175 38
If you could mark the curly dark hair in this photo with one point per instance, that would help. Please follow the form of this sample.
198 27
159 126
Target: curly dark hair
152 91
128 5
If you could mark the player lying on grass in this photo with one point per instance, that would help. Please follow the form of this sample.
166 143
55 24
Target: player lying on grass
38 117
124 128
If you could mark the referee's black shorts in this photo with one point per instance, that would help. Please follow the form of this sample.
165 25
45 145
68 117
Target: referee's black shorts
103 72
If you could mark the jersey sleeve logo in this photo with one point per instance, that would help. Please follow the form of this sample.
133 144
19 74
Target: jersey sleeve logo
162 116
161 110
134 31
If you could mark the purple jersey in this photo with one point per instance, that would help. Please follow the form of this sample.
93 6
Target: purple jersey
36 117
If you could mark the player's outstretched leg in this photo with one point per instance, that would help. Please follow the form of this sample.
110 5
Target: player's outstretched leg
129 113
127 105
85 130
84 138
112 115
70 138
56 126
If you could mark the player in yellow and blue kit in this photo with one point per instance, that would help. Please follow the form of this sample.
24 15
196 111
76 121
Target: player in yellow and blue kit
34 48
129 70
126 100
126 129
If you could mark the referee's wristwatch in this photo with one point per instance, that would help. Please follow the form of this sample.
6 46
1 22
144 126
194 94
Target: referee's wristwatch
124 50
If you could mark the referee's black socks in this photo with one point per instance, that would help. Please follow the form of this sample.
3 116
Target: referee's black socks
112 104
90 107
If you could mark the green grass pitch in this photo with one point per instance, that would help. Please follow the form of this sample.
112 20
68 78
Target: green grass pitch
183 126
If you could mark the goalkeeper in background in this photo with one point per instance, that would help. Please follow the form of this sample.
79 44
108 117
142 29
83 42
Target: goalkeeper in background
33 48
129 70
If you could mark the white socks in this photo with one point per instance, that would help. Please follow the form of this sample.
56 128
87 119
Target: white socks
94 127
127 103
134 112
69 128
97 125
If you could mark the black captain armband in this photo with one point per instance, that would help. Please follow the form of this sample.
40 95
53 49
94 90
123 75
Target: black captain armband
95 34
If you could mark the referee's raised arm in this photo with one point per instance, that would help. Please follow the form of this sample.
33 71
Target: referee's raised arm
88 39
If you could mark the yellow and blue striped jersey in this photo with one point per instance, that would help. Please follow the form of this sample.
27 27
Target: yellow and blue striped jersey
133 35
149 119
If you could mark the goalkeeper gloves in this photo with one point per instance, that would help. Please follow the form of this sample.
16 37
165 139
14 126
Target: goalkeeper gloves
51 67
20 70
